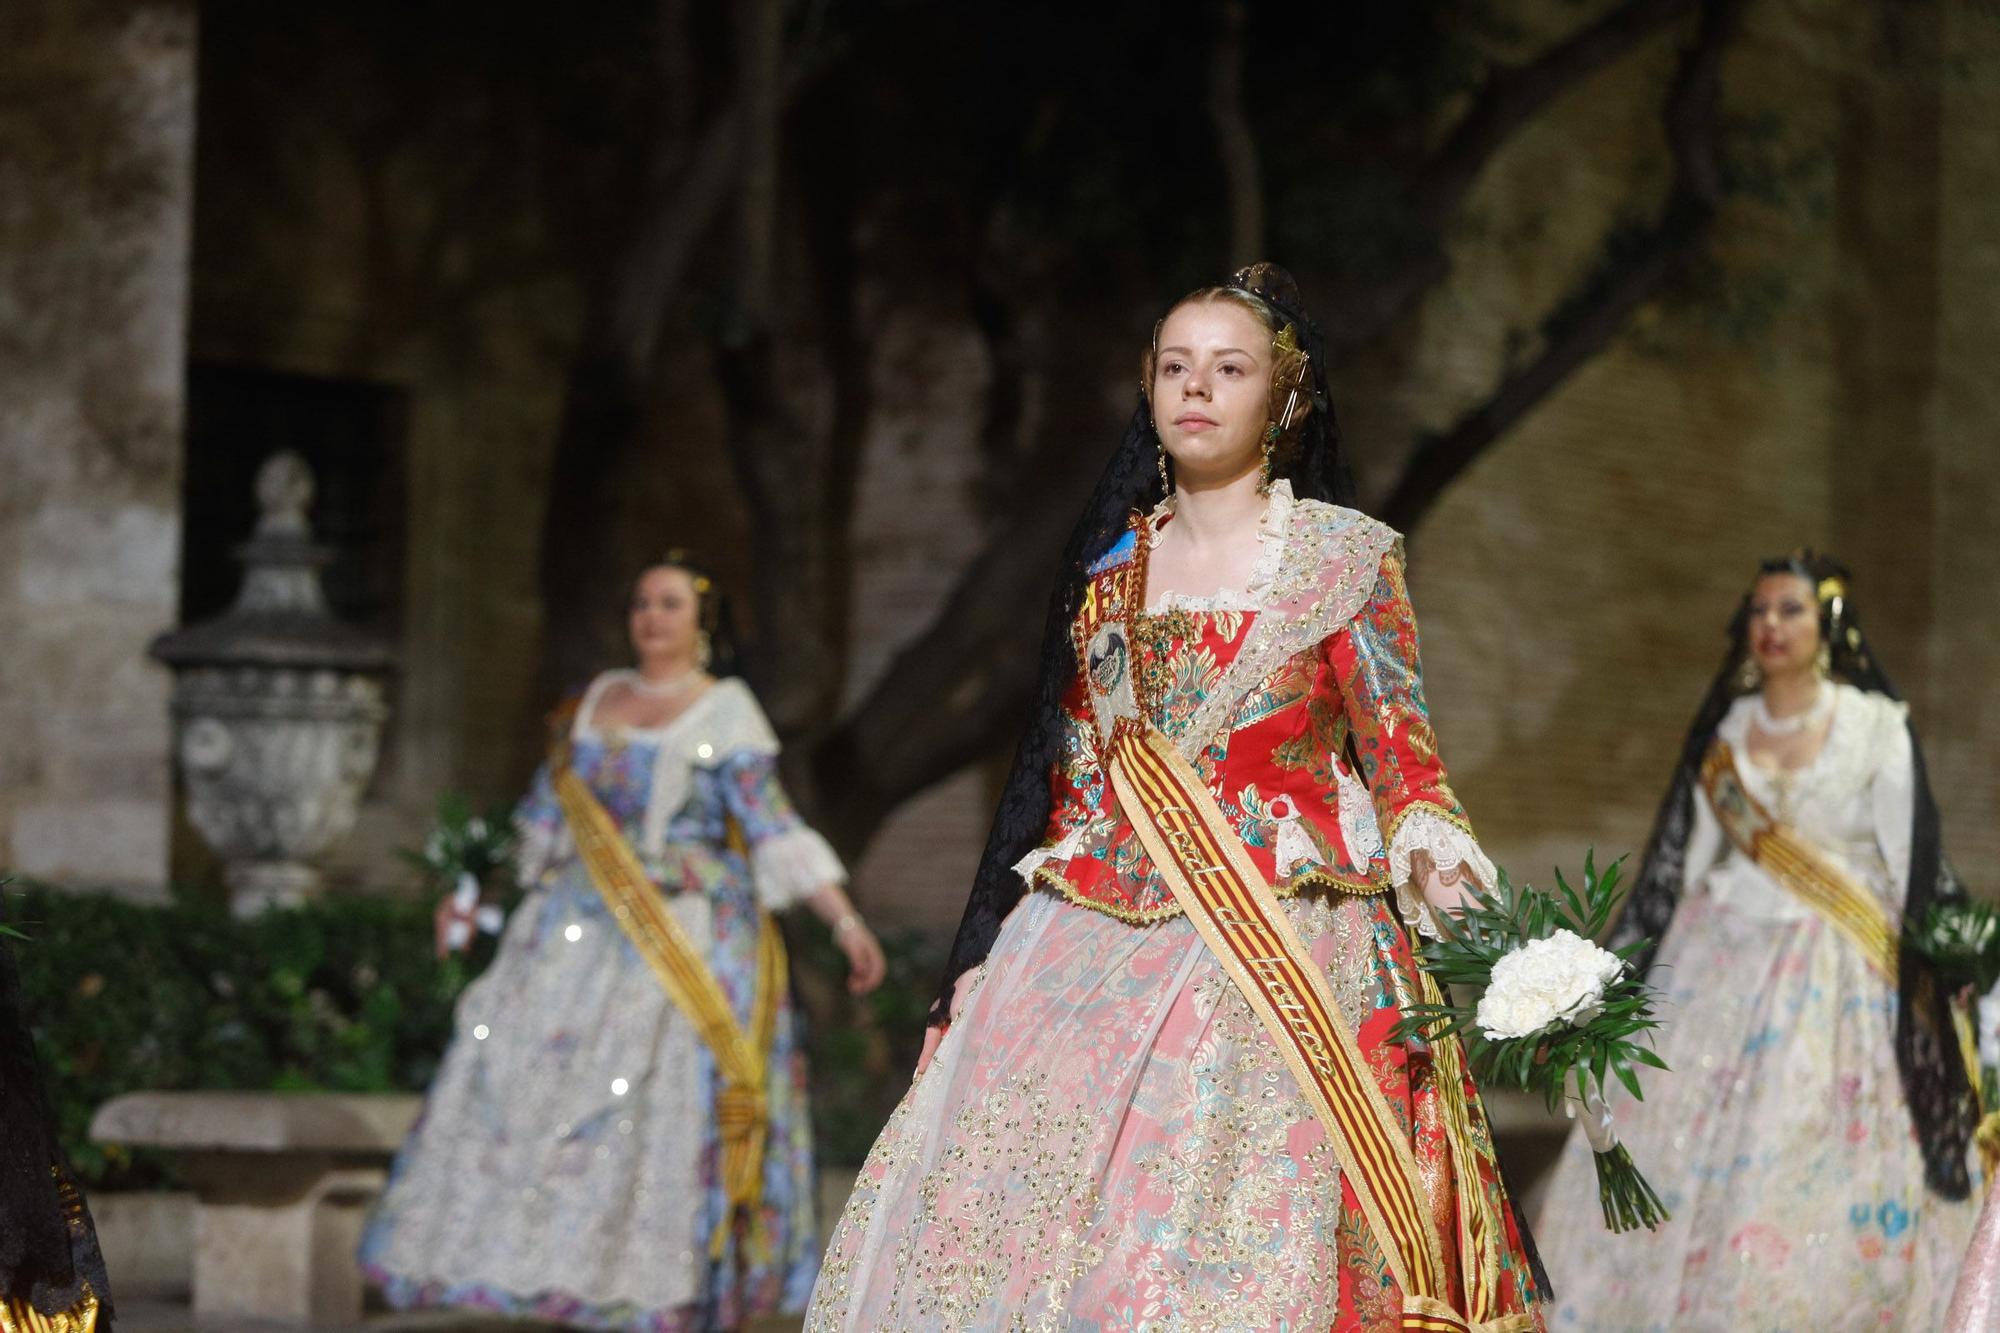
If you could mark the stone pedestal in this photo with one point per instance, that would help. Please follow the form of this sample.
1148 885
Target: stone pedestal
285 1256
279 708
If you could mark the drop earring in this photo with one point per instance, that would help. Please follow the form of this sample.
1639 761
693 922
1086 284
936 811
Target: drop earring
1270 449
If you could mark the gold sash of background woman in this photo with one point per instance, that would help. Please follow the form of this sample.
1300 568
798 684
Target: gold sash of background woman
1797 864
641 911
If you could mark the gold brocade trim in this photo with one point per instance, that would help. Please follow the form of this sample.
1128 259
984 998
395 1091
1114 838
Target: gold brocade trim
1480 1227
1987 1139
1437 1317
1285 687
1291 888
1968 1051
18 1316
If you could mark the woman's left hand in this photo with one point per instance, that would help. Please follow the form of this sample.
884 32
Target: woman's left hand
865 964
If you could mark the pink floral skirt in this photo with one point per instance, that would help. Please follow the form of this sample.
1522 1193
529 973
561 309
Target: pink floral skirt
1975 1302
1107 1140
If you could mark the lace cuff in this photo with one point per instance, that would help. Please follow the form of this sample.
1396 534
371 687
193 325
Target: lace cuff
1449 845
792 866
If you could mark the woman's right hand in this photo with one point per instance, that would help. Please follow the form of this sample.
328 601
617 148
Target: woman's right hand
452 927
935 1032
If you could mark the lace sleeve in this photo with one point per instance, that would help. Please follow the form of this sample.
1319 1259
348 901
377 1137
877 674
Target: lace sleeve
789 860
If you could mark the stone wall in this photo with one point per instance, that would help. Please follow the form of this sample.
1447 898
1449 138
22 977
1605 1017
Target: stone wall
1959 705
96 152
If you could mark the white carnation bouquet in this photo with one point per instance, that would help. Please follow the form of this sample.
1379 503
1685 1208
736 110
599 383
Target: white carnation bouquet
1557 1013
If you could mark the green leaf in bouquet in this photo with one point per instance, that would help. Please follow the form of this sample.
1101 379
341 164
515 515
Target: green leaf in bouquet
1646 1055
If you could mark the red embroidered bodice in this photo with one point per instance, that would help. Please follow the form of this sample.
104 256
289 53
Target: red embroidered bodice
1301 704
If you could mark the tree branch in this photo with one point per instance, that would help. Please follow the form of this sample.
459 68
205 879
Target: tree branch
605 404
963 685
1238 146
688 181
1516 94
782 455
1634 268
759 81
1512 97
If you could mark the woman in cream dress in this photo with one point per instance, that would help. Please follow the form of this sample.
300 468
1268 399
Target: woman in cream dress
1811 1138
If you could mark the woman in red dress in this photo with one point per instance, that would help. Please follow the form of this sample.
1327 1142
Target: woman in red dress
1171 1093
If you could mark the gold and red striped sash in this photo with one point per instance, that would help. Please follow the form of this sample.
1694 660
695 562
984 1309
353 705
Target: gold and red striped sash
1798 865
1241 921
741 1058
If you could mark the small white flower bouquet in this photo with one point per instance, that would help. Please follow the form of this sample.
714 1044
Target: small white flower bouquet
1556 1014
461 852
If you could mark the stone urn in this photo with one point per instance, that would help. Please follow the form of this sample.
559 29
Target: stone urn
278 707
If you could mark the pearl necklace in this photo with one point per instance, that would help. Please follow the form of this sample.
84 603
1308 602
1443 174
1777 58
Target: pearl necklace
667 689
1797 722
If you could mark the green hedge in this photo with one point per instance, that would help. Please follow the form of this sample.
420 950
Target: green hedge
338 996
344 996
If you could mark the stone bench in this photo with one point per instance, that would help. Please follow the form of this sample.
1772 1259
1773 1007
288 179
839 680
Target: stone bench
282 1184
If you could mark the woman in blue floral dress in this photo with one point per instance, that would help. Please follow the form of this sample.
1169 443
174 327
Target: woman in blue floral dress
569 1163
